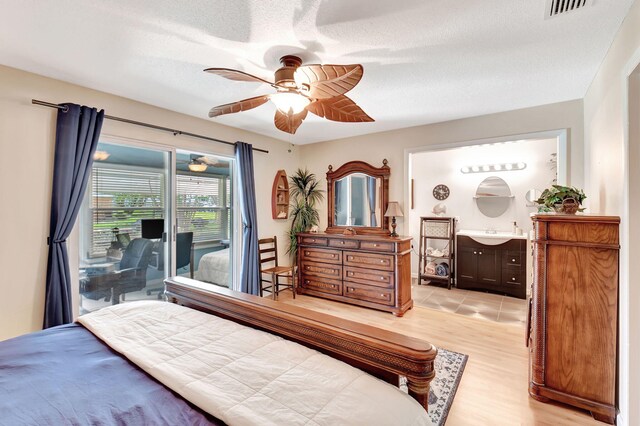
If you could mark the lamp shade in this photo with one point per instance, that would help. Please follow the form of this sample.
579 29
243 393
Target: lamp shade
393 210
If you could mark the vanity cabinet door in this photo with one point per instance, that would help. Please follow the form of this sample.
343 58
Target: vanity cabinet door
488 266
467 264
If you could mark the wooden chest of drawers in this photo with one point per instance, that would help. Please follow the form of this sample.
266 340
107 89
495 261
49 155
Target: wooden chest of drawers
364 270
574 310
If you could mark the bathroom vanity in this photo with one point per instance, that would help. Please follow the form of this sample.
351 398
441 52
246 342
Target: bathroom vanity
495 262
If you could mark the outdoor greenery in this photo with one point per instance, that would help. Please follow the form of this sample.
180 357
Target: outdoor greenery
554 196
304 192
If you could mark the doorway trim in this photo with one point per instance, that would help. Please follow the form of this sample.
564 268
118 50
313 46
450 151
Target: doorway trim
628 392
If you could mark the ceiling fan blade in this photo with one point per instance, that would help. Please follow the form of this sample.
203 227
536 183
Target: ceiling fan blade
236 75
339 108
289 122
239 106
326 81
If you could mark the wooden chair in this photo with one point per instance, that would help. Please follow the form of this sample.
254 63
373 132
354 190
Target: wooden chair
269 255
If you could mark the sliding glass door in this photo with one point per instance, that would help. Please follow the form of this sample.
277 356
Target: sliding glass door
125 226
150 213
204 217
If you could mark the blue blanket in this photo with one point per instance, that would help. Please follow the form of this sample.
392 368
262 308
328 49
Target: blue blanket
67 376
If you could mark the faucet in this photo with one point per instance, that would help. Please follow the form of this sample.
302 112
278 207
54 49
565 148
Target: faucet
491 230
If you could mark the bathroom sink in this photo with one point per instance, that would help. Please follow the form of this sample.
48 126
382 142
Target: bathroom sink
490 239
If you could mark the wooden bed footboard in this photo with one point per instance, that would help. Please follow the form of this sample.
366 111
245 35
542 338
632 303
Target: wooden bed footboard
382 353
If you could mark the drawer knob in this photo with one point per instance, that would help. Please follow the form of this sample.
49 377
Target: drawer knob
306 253
313 241
381 294
513 279
480 253
475 252
513 260
381 261
333 255
341 242
333 286
382 278
375 245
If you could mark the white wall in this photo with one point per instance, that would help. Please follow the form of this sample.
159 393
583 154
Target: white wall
431 168
27 140
391 145
611 168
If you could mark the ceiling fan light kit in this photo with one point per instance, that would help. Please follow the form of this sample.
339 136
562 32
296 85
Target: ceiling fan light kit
319 89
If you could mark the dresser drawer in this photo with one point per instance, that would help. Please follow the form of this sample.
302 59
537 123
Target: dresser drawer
348 244
382 262
322 270
369 293
511 258
377 246
314 241
384 279
322 255
323 285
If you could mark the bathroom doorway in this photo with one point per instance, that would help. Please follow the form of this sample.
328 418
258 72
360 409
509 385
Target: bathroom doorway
488 187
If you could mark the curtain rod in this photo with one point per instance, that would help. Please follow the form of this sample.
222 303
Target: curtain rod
150 126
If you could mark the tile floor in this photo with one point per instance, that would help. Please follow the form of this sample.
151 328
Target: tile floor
476 304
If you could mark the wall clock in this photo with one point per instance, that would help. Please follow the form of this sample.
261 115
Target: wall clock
441 192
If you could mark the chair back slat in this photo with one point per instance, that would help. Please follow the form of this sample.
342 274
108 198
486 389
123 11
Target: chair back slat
270 252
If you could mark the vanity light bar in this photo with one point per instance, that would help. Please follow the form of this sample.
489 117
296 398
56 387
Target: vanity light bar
502 167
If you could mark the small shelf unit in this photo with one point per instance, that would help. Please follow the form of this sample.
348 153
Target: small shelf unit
441 229
280 196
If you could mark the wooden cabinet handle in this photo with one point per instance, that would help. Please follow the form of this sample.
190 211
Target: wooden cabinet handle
475 252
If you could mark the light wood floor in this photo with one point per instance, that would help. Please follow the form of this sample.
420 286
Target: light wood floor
493 390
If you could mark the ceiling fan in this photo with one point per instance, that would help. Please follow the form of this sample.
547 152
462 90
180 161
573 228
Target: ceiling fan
319 89
198 163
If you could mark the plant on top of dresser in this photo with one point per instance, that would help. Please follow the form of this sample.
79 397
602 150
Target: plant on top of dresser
561 199
304 193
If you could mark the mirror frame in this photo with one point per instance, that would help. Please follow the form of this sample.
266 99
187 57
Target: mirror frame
359 167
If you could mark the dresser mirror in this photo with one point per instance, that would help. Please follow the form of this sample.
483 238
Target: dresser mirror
358 193
493 196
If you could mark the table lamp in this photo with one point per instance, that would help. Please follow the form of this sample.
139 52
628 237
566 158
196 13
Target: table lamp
393 211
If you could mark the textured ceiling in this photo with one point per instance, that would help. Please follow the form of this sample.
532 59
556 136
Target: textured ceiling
425 61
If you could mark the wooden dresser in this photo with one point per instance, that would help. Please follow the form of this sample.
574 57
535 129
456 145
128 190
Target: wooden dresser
574 311
365 270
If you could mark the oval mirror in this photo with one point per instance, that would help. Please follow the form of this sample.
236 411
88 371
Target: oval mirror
532 195
493 196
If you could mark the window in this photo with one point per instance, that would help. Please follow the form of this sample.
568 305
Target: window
120 198
203 206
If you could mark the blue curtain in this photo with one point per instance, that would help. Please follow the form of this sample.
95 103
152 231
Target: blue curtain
371 198
77 132
250 267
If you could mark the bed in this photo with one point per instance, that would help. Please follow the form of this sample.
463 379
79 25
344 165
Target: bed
214 268
212 356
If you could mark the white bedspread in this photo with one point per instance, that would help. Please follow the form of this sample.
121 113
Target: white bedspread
244 376
214 268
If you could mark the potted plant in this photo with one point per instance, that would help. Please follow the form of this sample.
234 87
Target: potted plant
304 194
561 199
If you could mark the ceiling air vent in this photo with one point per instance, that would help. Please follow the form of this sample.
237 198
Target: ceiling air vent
560 7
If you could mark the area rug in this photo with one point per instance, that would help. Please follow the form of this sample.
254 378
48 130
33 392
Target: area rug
449 367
